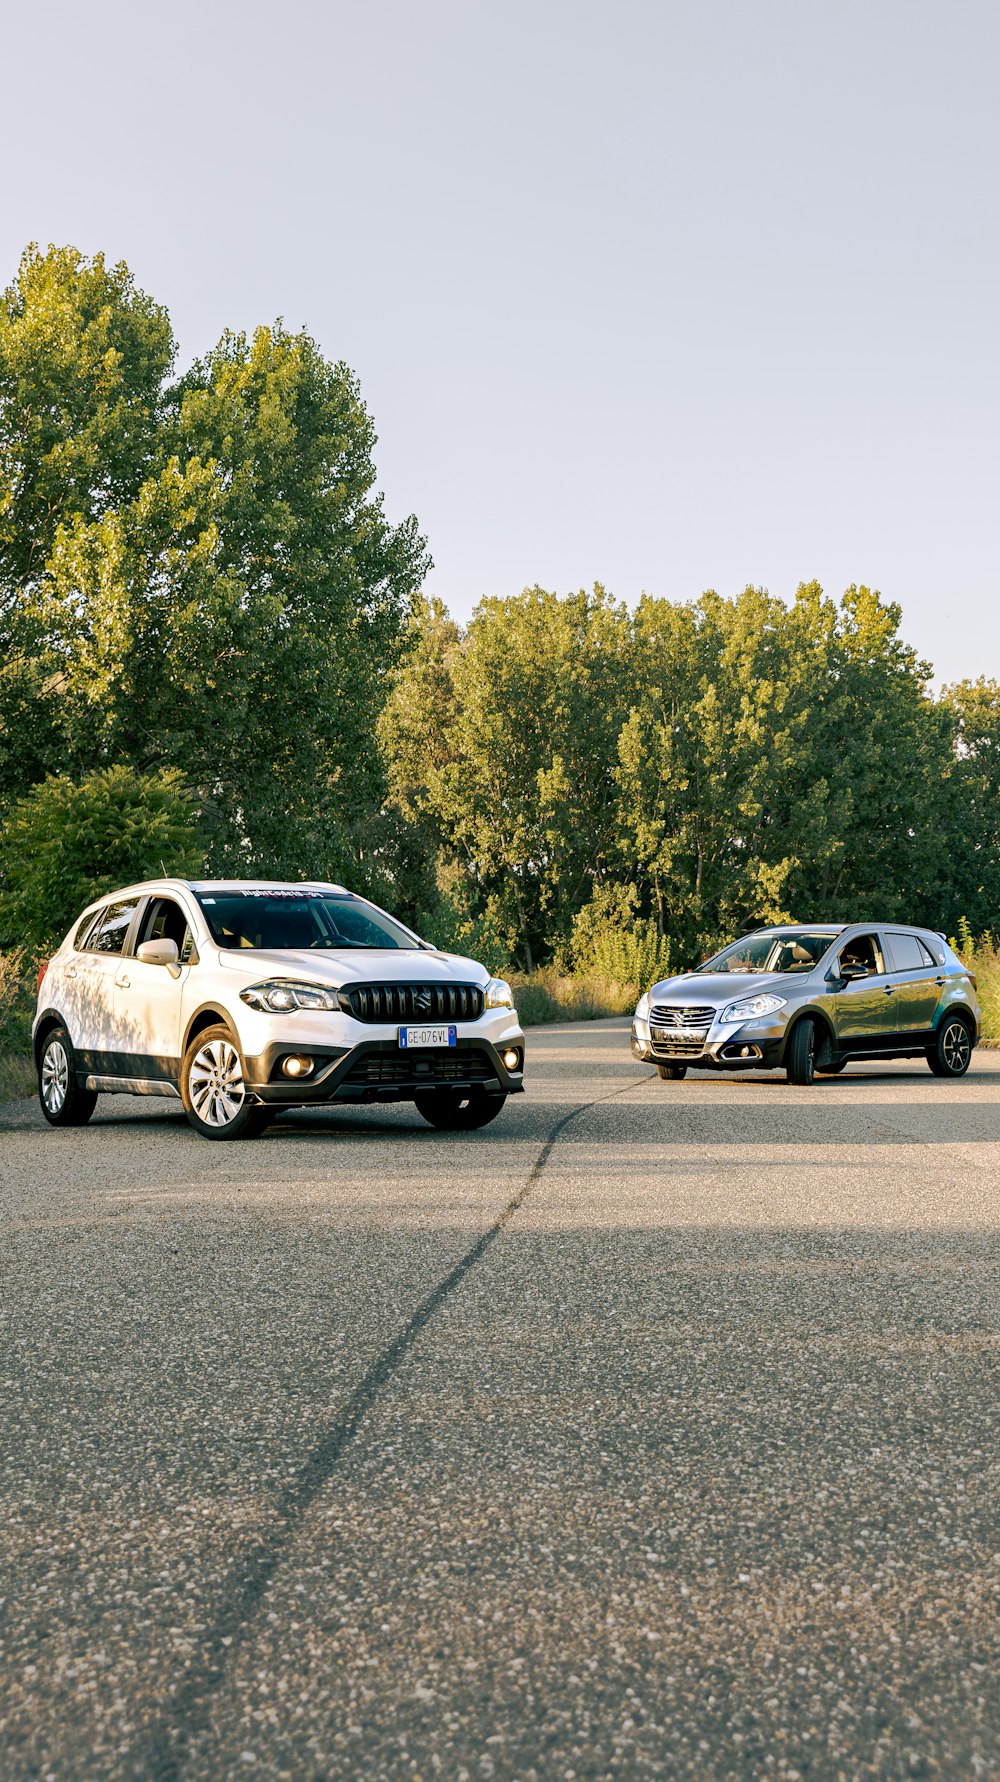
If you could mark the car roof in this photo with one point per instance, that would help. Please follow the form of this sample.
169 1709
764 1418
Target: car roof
199 885
845 928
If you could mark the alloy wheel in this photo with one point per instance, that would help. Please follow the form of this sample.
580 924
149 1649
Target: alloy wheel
955 1046
55 1076
215 1083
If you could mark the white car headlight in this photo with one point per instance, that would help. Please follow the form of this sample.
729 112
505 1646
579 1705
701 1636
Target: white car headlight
642 1007
751 1006
279 996
499 994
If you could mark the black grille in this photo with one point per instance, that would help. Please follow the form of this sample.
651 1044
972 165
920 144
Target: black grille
385 1069
679 1031
412 1002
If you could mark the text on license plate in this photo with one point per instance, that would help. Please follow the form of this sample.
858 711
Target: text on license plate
681 1033
426 1036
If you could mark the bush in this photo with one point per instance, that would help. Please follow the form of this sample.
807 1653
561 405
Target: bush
610 942
982 957
17 1006
67 842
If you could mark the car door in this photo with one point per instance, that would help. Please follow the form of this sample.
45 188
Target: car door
148 997
93 985
919 981
865 1007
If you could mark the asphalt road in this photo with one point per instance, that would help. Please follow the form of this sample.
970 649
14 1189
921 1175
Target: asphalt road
649 1432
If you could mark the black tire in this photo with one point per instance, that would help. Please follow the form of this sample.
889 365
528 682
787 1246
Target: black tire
672 1073
951 1053
800 1054
62 1099
451 1111
213 1089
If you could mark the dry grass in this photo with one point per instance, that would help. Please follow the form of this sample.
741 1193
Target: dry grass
552 995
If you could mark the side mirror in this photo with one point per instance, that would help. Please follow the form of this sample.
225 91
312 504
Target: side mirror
158 952
849 973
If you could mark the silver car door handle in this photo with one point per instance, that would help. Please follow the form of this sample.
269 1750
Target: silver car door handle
889 989
121 981
71 971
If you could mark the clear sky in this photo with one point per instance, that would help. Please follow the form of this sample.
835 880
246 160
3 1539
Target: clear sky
669 295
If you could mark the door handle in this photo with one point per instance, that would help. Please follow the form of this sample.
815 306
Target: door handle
890 989
121 981
71 971
940 981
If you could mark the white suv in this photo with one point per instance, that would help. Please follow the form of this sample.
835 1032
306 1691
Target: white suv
246 997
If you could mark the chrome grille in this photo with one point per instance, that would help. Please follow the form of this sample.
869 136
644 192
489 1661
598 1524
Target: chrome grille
412 1002
679 1031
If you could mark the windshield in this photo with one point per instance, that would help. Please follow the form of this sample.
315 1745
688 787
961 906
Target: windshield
282 921
783 952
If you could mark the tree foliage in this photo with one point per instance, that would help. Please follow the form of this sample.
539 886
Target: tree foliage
715 762
195 575
67 841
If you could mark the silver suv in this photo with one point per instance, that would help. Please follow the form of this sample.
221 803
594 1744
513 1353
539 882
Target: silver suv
813 998
243 998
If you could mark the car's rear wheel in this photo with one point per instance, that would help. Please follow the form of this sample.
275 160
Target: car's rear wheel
800 1058
672 1073
213 1089
60 1096
450 1111
951 1053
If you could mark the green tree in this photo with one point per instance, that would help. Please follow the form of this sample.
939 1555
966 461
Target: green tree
502 740
215 585
83 356
68 841
970 831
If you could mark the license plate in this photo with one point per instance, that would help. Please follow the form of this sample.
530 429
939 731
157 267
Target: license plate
409 1037
688 1034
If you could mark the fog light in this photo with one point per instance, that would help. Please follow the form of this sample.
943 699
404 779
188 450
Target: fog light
297 1067
511 1058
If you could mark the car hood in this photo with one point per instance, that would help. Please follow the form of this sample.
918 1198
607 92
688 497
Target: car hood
370 965
718 987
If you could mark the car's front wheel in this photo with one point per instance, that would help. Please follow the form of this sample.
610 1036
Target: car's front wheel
214 1092
62 1100
450 1111
951 1053
800 1058
672 1073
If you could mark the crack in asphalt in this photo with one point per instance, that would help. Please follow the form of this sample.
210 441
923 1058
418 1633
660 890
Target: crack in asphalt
162 1754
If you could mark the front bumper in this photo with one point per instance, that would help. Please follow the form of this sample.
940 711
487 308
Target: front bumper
733 1045
380 1070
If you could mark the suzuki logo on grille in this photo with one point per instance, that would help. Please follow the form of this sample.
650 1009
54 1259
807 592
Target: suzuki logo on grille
422 1002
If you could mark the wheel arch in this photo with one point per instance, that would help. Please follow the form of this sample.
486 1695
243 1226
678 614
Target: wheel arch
811 1012
966 1013
208 1015
43 1027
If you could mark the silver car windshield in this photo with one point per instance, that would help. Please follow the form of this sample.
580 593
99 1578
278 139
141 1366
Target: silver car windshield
783 952
291 920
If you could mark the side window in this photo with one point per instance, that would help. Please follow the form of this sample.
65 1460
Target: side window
110 932
909 953
865 951
165 920
85 929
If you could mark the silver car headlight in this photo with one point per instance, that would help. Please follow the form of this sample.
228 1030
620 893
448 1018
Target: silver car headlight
751 1006
499 994
642 1007
279 996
